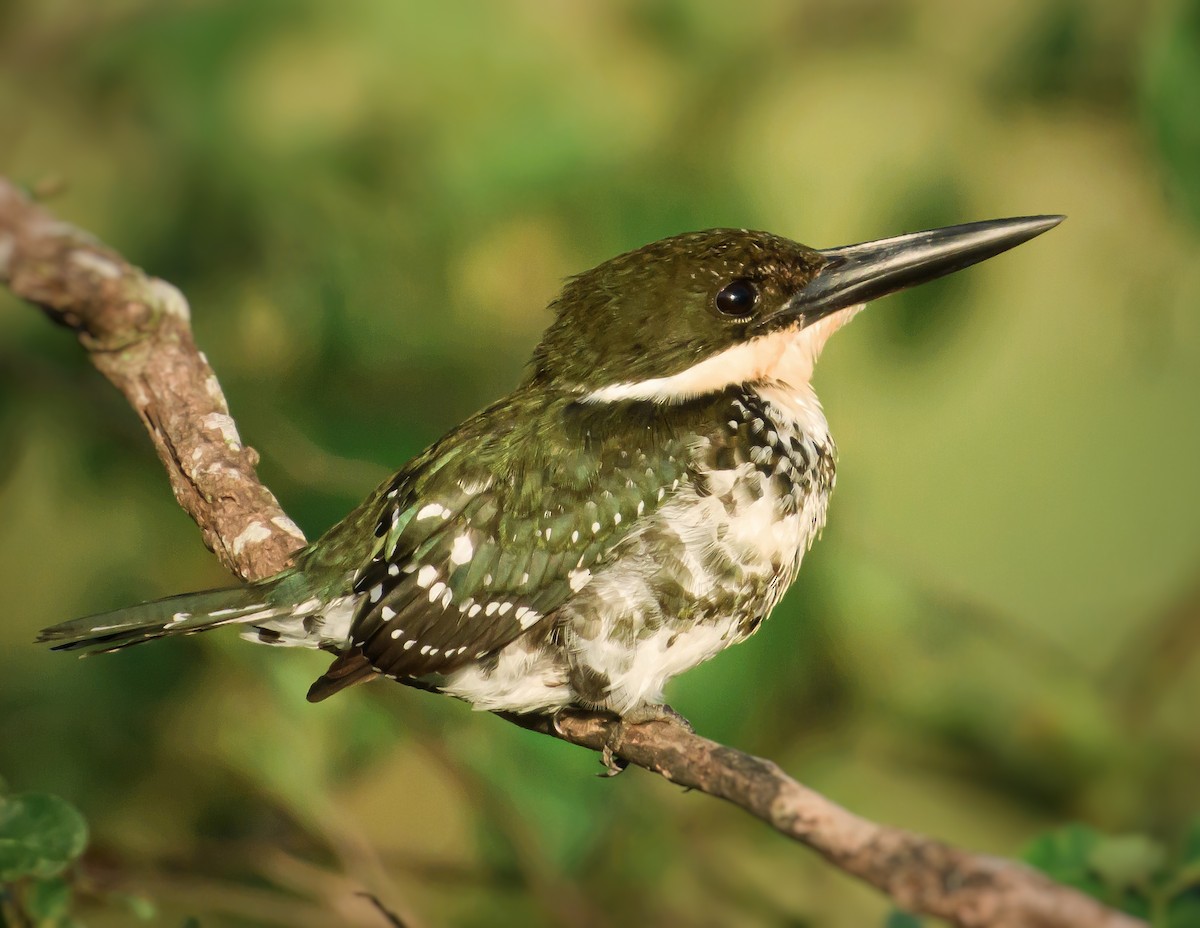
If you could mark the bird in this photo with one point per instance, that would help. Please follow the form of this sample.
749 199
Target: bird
637 504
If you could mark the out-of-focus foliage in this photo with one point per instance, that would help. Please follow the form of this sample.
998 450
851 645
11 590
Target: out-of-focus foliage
1172 99
1131 872
40 836
369 205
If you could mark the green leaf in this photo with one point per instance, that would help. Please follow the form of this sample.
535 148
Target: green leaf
898 919
143 908
1063 854
48 900
1126 861
39 836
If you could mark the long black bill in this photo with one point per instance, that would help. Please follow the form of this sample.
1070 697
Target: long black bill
859 273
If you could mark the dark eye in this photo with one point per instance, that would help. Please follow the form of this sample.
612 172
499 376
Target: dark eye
737 298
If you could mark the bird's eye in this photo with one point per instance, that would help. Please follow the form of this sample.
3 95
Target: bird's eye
737 298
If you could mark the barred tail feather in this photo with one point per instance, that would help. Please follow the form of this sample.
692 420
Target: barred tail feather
175 615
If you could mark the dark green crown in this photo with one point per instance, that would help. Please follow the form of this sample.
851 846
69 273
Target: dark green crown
658 310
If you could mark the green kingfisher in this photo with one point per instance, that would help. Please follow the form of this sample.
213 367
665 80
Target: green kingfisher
640 502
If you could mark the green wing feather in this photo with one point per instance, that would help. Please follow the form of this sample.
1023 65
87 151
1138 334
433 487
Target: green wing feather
485 535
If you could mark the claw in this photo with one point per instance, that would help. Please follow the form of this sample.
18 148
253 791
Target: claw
612 763
566 712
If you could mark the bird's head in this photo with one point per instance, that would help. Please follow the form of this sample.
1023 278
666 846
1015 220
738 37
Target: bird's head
696 313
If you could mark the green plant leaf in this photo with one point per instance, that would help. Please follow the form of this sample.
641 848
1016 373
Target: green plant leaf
1126 861
48 900
142 907
1063 854
40 835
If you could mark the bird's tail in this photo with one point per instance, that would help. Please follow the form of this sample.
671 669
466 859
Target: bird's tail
175 615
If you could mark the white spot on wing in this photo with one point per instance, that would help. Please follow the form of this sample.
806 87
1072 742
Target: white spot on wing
462 549
433 510
526 616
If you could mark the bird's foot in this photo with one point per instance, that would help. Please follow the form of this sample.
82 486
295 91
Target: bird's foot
638 715
558 715
656 712
613 764
617 732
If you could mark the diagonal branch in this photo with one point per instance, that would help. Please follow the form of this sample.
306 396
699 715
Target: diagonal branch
136 330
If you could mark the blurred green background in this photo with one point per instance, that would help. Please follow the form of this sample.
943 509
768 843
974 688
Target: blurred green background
369 205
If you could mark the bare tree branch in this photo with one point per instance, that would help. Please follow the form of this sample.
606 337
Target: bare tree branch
137 332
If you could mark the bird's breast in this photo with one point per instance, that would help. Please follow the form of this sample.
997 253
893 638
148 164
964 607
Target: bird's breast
764 478
728 543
